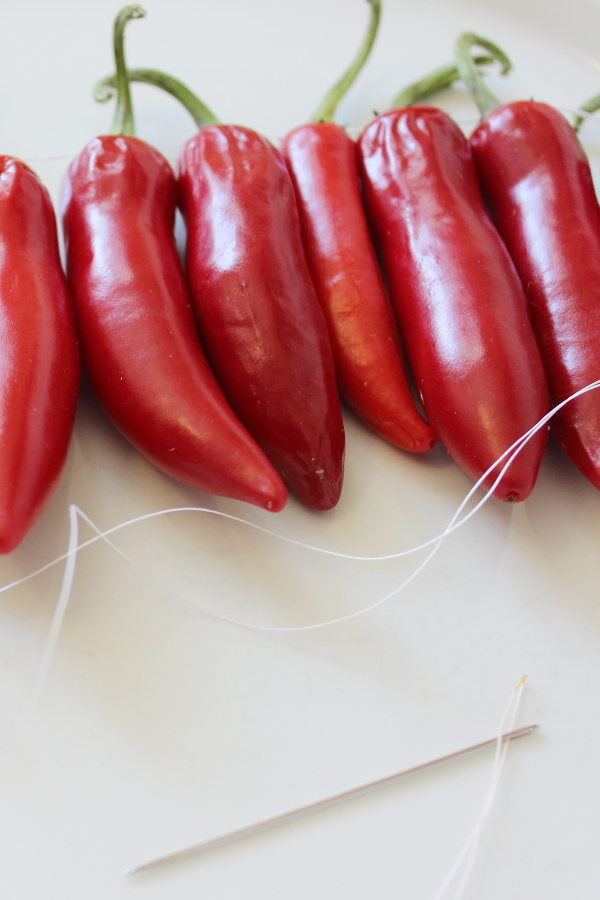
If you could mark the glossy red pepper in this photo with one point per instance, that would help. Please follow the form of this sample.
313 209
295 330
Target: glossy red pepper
460 304
139 341
259 316
38 353
138 335
538 185
323 163
256 305
537 181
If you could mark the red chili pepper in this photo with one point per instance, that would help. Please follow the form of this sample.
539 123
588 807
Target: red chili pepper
461 307
258 313
38 353
323 163
370 369
537 181
259 316
140 345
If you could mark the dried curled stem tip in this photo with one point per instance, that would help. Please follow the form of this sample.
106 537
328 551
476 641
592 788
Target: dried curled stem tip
468 40
101 92
132 12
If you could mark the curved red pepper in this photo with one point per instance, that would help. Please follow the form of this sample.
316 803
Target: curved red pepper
537 180
461 307
259 316
323 163
38 353
138 335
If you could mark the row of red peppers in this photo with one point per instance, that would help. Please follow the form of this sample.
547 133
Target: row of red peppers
461 306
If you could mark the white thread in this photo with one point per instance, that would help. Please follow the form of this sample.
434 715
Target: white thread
514 449
60 610
512 452
434 543
101 536
467 855
454 524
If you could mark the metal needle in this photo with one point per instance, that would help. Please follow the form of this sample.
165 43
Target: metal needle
320 804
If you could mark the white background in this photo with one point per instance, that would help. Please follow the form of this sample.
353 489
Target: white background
159 725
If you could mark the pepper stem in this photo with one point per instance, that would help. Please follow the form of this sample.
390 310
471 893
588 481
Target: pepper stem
590 106
123 122
200 113
328 106
433 83
486 101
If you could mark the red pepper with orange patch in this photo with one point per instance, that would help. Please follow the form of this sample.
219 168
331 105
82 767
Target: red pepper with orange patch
323 163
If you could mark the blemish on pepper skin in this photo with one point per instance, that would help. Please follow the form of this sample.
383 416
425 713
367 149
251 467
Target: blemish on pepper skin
320 473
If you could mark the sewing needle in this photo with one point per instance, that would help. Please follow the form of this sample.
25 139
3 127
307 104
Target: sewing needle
321 804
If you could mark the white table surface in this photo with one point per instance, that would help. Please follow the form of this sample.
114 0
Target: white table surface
159 725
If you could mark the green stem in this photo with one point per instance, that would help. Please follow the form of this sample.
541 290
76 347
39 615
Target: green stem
326 109
123 122
486 101
104 89
433 83
201 114
590 106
